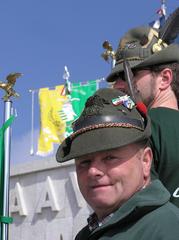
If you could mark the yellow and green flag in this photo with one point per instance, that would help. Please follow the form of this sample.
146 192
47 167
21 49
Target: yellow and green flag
80 93
53 127
57 112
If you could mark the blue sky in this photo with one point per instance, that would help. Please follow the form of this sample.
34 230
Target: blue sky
38 38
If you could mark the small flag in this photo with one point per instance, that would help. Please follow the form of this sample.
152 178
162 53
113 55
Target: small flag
162 17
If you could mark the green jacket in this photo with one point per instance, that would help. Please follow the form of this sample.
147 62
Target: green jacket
165 139
148 215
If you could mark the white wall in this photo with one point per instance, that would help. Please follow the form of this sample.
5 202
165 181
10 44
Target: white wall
45 201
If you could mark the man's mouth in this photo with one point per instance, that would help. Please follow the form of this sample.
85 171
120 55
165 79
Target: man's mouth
100 186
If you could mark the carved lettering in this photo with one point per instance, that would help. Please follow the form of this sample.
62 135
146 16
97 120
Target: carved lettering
48 197
17 201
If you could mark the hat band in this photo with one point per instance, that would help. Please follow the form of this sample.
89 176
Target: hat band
133 54
94 120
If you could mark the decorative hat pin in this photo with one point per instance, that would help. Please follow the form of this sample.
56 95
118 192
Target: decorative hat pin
126 101
109 53
168 32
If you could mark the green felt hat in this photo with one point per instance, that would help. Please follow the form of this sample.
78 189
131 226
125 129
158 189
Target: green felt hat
109 120
142 48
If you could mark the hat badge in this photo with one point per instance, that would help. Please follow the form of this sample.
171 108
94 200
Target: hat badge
125 100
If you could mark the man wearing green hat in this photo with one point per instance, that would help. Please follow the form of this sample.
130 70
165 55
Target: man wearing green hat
153 61
110 145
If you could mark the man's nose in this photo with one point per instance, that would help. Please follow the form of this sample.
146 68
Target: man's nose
97 168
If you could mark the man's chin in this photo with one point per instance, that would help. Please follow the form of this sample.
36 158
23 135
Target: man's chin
101 203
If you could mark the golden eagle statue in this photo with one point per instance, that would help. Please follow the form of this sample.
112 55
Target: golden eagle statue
8 86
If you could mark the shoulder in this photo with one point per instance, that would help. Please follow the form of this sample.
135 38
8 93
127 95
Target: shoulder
169 210
164 222
163 118
166 216
163 112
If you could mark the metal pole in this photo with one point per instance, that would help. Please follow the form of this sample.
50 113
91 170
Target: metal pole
8 88
66 76
113 62
32 124
164 8
7 142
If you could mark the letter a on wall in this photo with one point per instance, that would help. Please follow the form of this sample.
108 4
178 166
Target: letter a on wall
48 197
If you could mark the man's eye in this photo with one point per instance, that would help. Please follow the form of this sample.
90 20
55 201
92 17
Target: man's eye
122 76
110 157
84 163
135 73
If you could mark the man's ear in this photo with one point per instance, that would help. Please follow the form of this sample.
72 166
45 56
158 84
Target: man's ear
166 78
147 161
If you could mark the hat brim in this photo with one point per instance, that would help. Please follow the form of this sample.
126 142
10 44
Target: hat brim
167 55
99 140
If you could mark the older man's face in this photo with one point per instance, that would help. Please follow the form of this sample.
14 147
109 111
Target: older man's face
108 179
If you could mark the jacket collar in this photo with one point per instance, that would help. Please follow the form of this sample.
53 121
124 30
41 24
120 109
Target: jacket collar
144 201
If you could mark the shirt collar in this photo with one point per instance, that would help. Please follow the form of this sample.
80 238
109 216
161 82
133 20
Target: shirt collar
94 223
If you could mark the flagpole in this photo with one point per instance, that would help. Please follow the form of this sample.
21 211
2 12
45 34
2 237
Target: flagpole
8 88
7 144
66 76
164 8
32 122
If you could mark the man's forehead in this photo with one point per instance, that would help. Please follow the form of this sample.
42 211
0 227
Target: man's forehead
92 155
121 75
119 150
